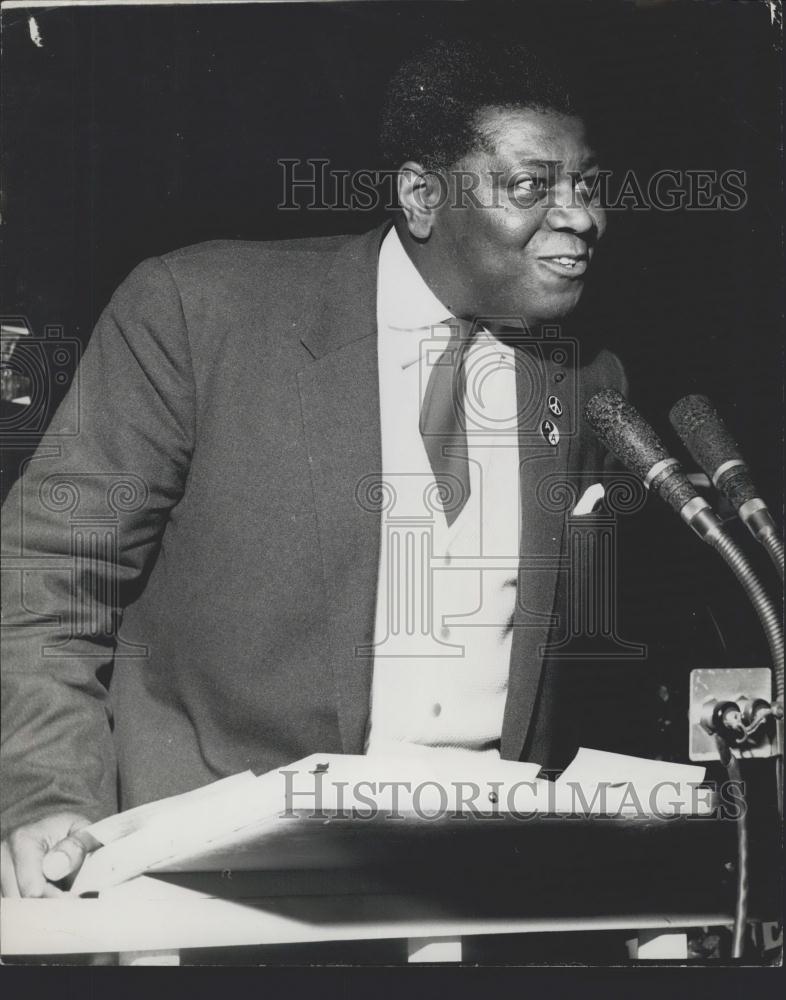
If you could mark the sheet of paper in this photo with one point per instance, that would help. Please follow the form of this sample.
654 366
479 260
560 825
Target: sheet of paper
593 766
597 781
181 827
405 783
244 806
105 831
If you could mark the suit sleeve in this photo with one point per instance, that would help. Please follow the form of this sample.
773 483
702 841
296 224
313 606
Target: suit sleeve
80 530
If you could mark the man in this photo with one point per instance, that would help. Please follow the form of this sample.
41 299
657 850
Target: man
212 536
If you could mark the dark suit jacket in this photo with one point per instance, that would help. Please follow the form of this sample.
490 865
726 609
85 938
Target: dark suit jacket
228 410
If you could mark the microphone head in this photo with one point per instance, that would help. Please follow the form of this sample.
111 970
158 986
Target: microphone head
703 433
628 436
709 442
624 432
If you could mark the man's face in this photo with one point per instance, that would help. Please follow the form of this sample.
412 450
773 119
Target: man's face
520 244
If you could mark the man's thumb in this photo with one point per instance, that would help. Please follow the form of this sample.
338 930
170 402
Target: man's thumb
64 858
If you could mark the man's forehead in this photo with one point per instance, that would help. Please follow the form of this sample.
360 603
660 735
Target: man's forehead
519 135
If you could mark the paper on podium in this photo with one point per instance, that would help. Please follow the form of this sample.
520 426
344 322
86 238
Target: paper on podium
593 766
626 785
334 811
229 818
105 831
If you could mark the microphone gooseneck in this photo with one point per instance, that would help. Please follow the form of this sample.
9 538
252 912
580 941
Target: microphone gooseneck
768 615
628 436
774 546
709 442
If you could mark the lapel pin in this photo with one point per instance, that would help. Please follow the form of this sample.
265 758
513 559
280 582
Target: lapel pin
550 432
555 406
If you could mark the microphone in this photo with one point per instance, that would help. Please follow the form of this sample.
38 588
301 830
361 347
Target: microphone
709 442
628 436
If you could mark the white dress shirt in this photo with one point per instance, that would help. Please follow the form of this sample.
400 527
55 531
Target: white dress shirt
446 594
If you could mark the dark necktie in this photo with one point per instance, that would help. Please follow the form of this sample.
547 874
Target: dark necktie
443 423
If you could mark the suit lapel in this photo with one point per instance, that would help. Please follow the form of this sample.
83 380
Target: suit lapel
339 394
542 527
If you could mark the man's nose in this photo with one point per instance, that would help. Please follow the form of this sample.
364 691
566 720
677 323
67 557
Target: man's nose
568 212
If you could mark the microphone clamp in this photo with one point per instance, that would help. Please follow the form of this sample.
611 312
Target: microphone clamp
699 516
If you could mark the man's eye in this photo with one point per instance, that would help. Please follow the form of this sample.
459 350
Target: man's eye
530 185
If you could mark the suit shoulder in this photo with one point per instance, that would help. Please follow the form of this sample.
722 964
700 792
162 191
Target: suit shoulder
252 256
607 368
251 272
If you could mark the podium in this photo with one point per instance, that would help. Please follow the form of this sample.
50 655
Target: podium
649 878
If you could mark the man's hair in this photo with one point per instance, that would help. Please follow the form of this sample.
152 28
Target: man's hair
434 99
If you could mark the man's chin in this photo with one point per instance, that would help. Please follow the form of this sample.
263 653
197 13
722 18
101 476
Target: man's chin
553 311
512 316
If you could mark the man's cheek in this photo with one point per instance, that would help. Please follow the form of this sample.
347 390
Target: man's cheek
518 227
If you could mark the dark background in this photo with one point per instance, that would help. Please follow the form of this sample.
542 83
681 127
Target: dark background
134 131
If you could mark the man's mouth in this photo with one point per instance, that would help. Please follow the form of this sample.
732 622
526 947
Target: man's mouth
567 264
566 261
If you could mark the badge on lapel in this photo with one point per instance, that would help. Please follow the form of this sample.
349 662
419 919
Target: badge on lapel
550 432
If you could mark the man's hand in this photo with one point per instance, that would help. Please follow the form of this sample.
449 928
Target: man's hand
36 855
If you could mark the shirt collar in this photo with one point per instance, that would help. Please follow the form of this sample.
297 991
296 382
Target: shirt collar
406 307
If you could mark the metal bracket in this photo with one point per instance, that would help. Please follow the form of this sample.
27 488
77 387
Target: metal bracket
740 684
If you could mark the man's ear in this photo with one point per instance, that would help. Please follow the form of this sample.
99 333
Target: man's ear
420 194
